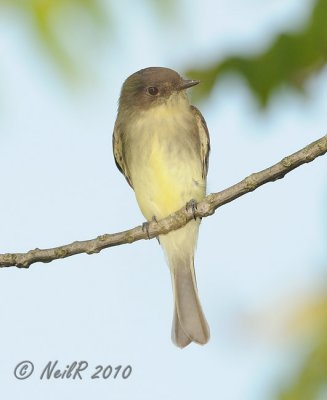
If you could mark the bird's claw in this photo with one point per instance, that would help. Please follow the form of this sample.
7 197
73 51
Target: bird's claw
145 226
192 204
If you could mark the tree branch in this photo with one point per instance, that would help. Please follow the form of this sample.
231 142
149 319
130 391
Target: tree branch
174 221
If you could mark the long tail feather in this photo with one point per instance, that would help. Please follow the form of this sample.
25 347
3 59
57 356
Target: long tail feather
190 318
189 323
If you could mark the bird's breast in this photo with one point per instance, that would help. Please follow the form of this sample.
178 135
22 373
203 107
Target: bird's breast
163 156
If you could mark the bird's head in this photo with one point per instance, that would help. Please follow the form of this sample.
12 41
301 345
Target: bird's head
153 86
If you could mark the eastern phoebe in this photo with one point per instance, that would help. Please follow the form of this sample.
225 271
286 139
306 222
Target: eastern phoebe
161 145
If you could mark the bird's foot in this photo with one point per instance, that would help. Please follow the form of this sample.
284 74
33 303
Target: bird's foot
192 204
154 219
145 226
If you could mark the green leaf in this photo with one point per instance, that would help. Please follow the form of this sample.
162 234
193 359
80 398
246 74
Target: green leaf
43 17
290 61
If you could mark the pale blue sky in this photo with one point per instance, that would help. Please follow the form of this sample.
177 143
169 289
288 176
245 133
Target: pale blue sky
60 184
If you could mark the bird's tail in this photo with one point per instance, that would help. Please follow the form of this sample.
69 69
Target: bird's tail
189 323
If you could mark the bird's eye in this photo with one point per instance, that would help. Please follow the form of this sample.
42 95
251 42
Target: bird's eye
153 90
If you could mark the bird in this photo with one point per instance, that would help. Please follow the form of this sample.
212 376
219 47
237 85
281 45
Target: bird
161 145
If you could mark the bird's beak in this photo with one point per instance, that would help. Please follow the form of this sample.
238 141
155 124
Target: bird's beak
187 83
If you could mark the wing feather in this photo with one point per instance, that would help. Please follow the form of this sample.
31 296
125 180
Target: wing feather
204 140
118 150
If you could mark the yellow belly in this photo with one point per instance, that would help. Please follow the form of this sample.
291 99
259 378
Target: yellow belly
162 151
165 180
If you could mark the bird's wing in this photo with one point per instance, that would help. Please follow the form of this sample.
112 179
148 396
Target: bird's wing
117 146
204 139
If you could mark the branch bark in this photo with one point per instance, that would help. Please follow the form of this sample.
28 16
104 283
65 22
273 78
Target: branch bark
174 221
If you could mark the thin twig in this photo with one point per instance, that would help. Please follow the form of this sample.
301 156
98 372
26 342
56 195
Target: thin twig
174 221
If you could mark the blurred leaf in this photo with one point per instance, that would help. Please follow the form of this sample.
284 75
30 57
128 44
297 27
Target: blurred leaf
45 17
291 60
164 8
310 381
310 316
